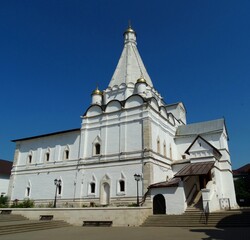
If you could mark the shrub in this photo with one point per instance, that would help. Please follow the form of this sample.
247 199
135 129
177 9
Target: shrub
3 201
27 203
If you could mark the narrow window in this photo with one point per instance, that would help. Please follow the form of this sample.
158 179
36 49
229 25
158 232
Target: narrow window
170 151
59 189
164 150
158 146
122 185
97 148
47 156
92 187
66 154
30 158
28 191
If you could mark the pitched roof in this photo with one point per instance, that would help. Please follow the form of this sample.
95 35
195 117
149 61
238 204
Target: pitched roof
194 169
174 182
5 167
201 127
130 66
46 135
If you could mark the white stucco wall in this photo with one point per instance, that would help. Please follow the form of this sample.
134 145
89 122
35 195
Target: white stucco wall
4 183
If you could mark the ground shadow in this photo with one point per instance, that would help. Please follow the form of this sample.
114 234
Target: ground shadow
235 226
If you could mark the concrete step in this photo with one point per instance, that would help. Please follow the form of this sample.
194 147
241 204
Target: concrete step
10 217
28 225
217 219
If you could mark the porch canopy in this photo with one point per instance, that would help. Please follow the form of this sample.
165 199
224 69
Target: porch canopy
195 169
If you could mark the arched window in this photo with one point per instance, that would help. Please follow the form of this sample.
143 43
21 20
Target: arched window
170 152
59 190
30 157
66 153
122 185
158 146
47 156
97 148
28 189
92 187
164 149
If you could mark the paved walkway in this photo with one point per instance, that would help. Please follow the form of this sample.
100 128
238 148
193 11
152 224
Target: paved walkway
132 233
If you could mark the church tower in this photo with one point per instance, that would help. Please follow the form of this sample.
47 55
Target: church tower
127 129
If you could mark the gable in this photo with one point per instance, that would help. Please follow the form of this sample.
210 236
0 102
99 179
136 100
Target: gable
202 147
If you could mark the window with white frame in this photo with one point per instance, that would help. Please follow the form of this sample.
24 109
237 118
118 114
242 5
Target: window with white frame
97 149
121 185
97 146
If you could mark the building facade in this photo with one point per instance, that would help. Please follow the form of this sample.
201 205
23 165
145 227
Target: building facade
128 129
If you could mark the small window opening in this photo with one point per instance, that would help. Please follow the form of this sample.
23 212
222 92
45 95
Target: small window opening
30 158
164 150
28 191
60 189
47 156
97 148
122 186
158 146
66 154
92 187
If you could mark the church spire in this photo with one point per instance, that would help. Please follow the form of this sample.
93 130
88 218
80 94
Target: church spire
130 66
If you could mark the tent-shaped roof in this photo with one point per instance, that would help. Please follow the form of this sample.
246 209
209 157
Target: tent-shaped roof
130 66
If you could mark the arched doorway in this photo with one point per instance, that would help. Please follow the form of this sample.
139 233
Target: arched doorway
105 197
159 204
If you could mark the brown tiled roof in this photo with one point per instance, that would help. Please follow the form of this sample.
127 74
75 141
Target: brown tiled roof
194 169
171 183
5 167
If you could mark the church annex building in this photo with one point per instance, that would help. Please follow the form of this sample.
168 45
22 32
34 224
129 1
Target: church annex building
128 129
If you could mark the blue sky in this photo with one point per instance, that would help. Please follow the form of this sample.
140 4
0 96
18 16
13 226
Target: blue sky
53 54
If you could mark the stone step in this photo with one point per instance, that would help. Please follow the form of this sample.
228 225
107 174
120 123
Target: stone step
10 217
223 219
27 226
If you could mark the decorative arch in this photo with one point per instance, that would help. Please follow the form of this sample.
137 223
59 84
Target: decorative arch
134 101
105 190
93 110
154 104
113 106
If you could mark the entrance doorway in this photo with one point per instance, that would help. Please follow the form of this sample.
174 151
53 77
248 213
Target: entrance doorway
159 204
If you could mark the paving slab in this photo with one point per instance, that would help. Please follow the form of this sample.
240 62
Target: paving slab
131 233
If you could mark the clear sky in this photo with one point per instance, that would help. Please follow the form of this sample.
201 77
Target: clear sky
54 52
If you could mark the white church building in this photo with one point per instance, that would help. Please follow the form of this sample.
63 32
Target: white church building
128 129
